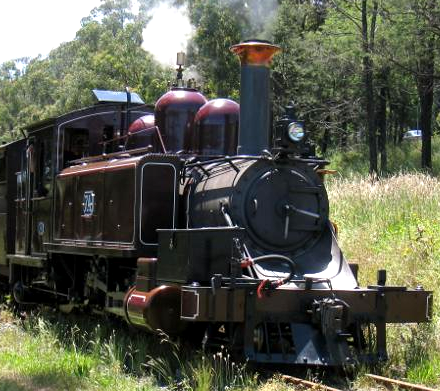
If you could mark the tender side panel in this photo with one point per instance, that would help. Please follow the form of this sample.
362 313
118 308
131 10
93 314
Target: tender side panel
158 199
96 207
64 208
89 207
119 193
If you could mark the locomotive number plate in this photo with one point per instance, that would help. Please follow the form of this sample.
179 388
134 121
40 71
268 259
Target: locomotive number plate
88 204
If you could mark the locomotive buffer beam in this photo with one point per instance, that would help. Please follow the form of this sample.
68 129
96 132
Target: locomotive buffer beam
306 326
390 305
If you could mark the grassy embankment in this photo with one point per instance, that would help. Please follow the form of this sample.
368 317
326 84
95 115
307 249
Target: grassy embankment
54 352
392 223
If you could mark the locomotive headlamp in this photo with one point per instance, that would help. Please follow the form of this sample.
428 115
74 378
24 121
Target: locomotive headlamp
295 131
290 132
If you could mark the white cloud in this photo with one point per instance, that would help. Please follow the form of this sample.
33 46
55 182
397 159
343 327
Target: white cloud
29 27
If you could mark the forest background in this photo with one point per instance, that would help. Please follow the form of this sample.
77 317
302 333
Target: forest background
361 72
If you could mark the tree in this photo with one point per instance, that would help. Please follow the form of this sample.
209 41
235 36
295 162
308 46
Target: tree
319 69
106 53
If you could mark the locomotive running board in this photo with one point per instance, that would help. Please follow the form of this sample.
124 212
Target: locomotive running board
26 260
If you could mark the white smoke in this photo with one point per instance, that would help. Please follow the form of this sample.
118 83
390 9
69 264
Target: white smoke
192 73
260 14
167 33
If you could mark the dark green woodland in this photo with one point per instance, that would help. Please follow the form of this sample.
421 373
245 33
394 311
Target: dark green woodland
361 73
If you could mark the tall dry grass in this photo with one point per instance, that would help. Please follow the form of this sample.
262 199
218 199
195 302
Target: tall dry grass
394 224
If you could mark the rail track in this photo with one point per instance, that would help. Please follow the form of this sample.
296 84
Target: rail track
385 381
307 384
401 385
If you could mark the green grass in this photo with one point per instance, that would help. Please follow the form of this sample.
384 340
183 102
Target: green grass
41 355
52 352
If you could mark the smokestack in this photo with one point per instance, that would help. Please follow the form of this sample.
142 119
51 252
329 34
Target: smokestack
255 57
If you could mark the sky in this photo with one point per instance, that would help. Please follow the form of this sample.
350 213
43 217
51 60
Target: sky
32 27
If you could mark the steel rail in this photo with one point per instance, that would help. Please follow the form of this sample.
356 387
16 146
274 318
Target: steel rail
401 384
306 383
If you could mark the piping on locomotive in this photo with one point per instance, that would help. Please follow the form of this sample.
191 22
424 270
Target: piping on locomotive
186 223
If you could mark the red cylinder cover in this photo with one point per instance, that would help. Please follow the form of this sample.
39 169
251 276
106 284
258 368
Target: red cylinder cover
158 309
216 128
174 115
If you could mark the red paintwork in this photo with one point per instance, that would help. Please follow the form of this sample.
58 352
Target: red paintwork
179 96
145 122
146 309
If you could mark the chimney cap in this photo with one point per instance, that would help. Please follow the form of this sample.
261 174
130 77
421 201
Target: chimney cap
255 52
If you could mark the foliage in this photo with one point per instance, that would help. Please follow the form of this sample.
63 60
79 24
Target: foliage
219 24
404 157
321 67
211 51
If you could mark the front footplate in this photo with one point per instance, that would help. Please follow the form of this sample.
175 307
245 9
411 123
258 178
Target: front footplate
308 326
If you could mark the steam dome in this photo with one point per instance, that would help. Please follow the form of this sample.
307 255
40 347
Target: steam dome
216 128
174 115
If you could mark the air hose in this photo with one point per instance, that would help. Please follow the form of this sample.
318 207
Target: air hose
269 283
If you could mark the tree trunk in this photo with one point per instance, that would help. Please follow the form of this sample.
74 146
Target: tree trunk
325 140
367 46
396 127
344 134
402 122
426 101
425 84
382 119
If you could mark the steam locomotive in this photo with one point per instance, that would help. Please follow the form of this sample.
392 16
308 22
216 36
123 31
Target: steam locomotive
193 217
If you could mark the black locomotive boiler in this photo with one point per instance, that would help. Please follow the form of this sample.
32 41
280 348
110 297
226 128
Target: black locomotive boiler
176 218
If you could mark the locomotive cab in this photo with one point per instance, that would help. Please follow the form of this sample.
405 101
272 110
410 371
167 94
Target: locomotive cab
51 146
